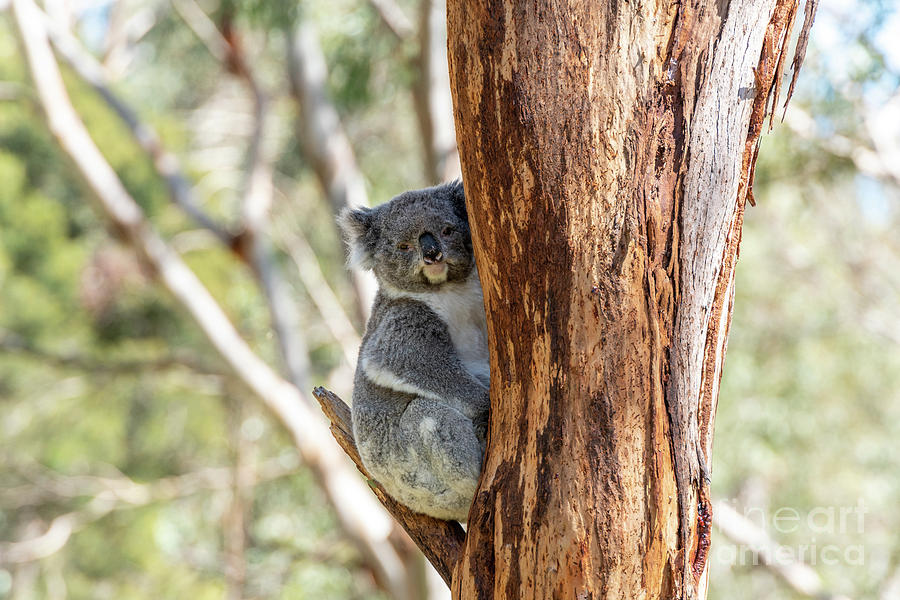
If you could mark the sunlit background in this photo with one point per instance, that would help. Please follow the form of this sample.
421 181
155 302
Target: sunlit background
135 462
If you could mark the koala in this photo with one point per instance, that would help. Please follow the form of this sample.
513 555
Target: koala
420 398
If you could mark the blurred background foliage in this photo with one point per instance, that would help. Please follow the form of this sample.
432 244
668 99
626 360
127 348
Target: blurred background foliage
107 384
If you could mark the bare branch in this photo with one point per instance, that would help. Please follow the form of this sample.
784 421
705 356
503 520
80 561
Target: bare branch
166 164
394 18
361 518
440 541
125 29
258 188
324 141
253 242
235 521
203 27
431 94
320 292
285 317
799 576
256 205
322 134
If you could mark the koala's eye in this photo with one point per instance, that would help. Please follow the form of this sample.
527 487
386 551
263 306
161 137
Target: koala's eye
447 231
403 246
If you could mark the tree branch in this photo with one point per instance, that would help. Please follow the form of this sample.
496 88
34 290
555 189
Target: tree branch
394 18
431 94
325 143
440 541
256 205
251 245
203 27
326 301
165 163
799 576
868 161
123 31
234 527
360 517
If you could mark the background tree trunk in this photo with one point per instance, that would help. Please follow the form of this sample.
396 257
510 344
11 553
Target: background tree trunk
606 149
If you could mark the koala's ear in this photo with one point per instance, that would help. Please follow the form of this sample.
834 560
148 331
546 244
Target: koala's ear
360 233
458 199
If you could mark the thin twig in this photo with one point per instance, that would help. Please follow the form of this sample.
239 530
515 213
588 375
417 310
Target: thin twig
326 301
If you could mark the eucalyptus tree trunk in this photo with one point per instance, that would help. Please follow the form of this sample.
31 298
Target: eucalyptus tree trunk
606 151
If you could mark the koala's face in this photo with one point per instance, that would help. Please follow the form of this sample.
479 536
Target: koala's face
416 242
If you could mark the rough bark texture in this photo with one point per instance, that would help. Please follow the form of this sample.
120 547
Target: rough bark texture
606 151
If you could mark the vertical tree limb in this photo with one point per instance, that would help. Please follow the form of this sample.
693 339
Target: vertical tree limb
431 94
326 301
235 518
324 142
603 149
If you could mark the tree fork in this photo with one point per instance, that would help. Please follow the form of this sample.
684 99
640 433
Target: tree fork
607 153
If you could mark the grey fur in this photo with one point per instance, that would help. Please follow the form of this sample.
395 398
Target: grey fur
420 398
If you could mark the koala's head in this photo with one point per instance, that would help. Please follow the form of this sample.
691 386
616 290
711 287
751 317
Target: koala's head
414 243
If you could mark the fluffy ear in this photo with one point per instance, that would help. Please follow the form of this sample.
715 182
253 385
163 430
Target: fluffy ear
458 199
358 227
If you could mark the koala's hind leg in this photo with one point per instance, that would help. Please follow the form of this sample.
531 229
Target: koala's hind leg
450 454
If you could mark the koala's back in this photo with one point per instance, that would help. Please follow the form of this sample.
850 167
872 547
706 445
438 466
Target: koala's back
425 455
424 451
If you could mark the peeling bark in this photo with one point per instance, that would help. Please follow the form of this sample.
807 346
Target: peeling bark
604 153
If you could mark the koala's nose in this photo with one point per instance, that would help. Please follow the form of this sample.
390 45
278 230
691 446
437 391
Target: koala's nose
431 249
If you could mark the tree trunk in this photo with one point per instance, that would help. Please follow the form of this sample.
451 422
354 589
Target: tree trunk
606 151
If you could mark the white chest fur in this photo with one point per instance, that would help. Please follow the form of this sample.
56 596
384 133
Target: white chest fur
461 307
